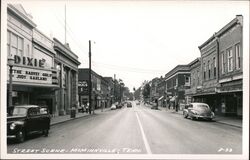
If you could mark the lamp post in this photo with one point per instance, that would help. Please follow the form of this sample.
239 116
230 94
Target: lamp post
10 63
176 102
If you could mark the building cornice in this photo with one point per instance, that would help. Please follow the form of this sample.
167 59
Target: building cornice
237 20
15 11
178 68
66 52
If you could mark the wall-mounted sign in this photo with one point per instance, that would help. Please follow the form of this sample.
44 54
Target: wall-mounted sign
29 75
29 61
82 83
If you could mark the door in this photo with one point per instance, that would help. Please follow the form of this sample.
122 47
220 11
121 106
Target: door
33 119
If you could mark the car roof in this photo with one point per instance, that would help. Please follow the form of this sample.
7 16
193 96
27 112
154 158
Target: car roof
27 106
196 103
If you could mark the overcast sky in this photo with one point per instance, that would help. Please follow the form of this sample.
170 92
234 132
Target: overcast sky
135 40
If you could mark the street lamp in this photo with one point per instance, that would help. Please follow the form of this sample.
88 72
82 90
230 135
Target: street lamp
10 63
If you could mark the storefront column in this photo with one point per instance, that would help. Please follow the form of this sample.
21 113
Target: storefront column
69 92
61 92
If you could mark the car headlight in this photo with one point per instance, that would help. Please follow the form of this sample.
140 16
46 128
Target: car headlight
12 126
194 112
213 114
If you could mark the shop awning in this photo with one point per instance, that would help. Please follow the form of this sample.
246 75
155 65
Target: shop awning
160 98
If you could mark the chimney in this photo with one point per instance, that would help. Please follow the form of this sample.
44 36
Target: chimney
67 45
240 19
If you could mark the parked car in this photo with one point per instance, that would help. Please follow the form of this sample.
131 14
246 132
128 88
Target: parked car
119 105
26 119
198 110
113 107
82 108
129 105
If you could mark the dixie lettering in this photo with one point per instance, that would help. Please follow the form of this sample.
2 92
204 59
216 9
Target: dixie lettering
29 61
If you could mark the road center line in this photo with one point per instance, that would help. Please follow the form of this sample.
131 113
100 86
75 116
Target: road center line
144 136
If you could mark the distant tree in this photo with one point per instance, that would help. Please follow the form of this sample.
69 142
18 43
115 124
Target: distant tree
146 91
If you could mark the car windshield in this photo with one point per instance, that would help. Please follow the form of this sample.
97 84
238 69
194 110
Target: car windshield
19 111
201 106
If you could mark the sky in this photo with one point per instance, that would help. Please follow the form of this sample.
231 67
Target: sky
135 40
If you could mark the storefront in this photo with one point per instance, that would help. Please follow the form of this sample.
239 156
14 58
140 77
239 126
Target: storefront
33 85
231 98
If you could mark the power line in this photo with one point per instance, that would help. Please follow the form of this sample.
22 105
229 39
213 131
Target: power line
128 69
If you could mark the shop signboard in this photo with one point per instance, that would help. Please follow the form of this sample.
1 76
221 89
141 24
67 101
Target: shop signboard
31 76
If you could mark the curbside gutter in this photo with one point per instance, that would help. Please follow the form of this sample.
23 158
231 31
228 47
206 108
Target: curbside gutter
215 120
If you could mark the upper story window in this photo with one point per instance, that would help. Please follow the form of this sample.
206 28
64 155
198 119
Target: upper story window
214 63
223 63
205 70
14 44
209 69
237 56
230 60
198 77
187 81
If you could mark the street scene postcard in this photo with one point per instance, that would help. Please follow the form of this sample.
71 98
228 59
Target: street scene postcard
124 79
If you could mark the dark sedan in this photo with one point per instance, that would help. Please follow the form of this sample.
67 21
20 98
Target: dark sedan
26 119
129 105
198 111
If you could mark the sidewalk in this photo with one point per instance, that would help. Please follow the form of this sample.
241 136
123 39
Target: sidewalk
60 119
232 121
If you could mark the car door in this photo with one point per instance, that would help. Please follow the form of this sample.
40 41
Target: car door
44 119
190 107
32 120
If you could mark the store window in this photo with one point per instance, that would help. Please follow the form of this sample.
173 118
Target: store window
230 60
238 57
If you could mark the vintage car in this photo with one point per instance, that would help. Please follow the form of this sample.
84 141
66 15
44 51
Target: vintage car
27 119
198 111
129 105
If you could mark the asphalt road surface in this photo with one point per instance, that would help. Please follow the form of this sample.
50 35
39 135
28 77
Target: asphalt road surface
136 130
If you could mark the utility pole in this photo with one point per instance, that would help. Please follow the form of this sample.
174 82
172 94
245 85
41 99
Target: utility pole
114 89
90 83
65 24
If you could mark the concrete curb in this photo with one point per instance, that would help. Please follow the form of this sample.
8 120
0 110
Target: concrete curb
217 121
52 124
70 119
228 124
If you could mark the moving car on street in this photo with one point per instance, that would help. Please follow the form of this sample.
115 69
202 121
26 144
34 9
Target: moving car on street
198 111
113 107
26 119
119 105
129 105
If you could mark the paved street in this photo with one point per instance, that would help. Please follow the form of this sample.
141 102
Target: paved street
136 130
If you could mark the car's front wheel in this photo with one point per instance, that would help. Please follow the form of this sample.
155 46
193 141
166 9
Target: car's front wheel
46 132
185 115
20 136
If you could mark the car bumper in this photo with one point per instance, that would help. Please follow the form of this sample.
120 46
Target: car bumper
11 136
203 117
